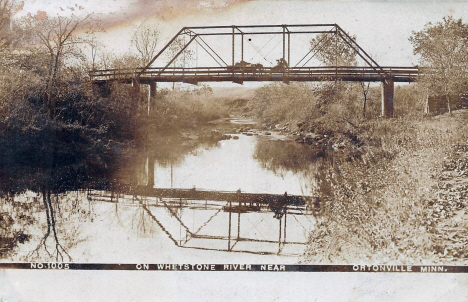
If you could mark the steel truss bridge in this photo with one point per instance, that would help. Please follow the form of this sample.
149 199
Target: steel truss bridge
239 71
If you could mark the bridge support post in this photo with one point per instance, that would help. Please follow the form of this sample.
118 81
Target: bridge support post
151 96
136 85
150 171
387 98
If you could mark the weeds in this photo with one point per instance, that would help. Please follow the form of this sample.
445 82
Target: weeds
375 205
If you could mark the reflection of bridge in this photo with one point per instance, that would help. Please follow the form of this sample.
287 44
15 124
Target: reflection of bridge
225 221
240 72
193 194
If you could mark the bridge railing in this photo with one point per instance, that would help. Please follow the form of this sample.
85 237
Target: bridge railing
178 73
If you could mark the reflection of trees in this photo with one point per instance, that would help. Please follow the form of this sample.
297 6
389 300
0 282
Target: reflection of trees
167 149
51 220
66 213
50 215
171 149
142 222
15 221
280 156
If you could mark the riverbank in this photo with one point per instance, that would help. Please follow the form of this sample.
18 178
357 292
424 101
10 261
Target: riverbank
400 199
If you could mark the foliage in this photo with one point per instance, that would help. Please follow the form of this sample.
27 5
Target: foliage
325 107
182 108
375 204
55 128
332 50
185 57
280 103
443 50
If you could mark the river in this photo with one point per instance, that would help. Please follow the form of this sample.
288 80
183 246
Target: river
93 225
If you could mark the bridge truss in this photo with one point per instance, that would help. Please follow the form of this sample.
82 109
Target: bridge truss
227 46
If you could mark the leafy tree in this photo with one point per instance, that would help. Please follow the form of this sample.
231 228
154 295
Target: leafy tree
332 50
443 50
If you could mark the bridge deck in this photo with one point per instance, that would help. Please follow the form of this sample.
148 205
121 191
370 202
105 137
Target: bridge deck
221 74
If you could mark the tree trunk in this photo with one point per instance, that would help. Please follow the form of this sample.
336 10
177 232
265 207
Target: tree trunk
426 106
448 104
364 107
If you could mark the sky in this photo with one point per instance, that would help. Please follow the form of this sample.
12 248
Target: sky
382 27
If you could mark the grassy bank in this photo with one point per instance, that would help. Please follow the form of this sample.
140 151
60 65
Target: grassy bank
382 204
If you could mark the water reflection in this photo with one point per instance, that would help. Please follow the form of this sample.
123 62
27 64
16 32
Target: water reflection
47 225
282 157
71 211
230 166
219 226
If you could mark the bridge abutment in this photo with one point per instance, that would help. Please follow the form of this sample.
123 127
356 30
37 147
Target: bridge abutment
387 98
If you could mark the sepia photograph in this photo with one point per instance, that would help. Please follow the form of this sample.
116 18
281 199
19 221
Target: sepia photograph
326 141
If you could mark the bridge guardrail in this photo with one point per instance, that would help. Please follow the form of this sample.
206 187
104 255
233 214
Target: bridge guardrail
319 71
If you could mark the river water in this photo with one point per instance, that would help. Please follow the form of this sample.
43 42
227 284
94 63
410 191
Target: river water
103 226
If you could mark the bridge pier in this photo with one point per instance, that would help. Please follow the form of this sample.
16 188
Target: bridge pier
151 96
387 98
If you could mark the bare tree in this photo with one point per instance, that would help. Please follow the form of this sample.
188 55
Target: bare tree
58 36
365 90
59 40
106 59
183 59
145 41
94 46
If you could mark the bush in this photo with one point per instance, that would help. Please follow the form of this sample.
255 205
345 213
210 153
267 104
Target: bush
186 109
75 141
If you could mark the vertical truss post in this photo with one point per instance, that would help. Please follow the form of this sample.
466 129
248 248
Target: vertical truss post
242 54
289 54
233 41
336 55
284 43
289 49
